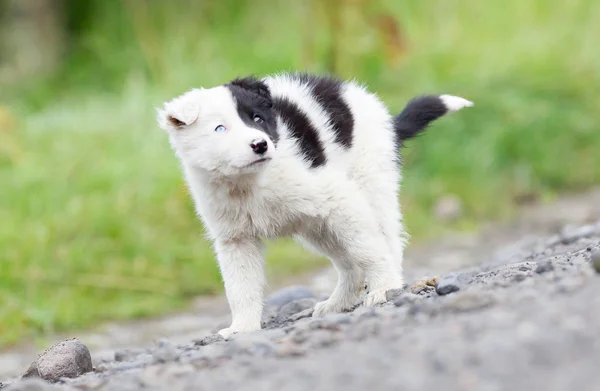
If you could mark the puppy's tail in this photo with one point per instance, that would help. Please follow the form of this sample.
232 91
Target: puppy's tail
421 111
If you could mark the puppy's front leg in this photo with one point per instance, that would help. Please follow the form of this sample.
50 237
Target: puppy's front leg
242 268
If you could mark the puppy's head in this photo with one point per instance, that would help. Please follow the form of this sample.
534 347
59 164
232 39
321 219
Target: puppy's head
226 130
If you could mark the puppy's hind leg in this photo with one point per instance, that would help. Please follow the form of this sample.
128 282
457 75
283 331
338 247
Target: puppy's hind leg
351 277
360 245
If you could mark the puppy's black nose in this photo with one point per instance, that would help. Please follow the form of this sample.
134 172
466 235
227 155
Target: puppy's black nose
259 146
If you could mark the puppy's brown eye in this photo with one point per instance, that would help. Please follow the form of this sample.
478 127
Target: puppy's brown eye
258 119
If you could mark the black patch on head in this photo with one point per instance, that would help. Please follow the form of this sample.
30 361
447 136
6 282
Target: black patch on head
327 91
252 97
302 130
417 114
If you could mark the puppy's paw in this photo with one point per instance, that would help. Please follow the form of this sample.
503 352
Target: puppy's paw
327 306
229 331
375 297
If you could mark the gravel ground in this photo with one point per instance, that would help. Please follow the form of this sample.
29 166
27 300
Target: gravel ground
528 318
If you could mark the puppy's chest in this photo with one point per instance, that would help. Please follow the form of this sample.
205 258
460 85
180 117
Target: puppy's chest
257 215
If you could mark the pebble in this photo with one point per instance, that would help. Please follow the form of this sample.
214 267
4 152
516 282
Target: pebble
393 294
595 258
209 339
448 284
294 307
68 358
544 267
520 276
404 299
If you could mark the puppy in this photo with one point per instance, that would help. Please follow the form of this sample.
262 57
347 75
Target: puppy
310 157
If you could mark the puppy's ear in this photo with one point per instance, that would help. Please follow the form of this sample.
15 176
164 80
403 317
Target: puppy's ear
253 84
180 112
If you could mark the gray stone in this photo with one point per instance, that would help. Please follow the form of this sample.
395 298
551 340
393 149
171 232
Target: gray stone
404 300
209 339
393 294
520 276
448 284
286 295
544 267
595 259
69 359
294 307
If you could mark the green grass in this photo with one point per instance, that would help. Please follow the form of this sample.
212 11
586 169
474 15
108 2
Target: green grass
96 223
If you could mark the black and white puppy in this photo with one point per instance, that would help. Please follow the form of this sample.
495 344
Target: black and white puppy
310 157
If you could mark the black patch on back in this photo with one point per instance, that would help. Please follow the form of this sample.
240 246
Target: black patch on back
417 114
327 91
302 130
252 97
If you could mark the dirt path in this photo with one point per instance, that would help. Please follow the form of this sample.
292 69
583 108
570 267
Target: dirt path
532 238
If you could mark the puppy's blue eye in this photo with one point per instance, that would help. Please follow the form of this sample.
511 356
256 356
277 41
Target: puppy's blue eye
220 128
258 119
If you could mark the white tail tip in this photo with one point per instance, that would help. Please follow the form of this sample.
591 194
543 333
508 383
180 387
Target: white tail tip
455 103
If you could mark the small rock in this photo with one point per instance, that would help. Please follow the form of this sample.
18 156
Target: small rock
544 267
595 258
69 359
405 299
209 339
448 284
524 268
421 289
294 307
393 294
286 295
520 276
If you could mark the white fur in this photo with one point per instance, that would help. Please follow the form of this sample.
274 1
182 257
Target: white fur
455 103
346 209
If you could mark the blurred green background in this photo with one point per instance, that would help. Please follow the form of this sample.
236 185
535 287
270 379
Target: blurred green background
96 222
